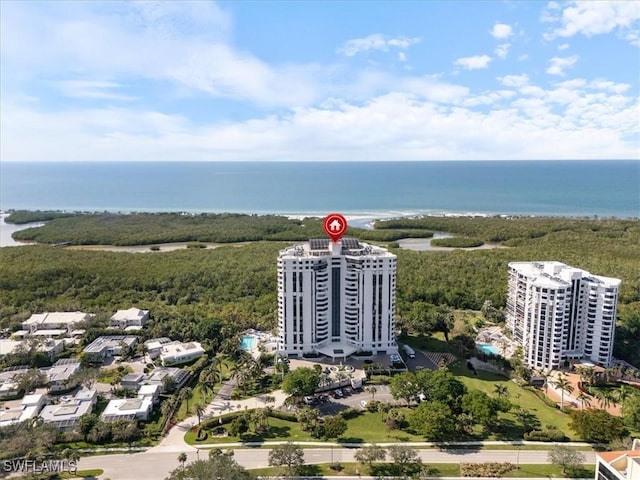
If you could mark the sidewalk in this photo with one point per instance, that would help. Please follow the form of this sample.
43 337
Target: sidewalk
174 440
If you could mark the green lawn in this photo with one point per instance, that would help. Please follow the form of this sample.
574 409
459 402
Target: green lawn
369 427
486 381
278 430
437 470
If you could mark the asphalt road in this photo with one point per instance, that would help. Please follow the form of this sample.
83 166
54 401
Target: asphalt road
157 465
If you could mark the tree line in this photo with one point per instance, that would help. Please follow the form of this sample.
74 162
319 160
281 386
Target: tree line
190 292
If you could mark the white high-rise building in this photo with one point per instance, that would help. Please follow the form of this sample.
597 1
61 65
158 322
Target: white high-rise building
336 299
559 313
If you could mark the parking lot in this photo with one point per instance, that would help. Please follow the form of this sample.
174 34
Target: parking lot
332 406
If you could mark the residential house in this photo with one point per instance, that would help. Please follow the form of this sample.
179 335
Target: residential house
57 323
139 408
28 410
108 346
177 353
52 347
8 386
154 346
60 374
66 414
131 319
159 377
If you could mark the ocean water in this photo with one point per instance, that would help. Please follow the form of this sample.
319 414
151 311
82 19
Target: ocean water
362 190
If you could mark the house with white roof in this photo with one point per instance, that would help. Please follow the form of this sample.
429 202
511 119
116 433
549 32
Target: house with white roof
109 346
139 408
28 410
176 353
66 414
134 381
8 385
60 374
154 346
56 323
52 347
131 319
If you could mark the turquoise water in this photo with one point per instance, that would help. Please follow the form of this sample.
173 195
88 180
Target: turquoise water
373 189
488 349
248 342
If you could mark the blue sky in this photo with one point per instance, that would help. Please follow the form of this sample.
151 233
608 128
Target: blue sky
312 81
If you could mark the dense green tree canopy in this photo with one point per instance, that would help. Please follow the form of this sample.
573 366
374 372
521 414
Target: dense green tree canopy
216 467
595 425
434 420
301 381
218 292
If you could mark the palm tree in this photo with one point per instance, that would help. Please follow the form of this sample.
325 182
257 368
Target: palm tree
207 382
185 395
622 394
182 458
500 390
606 399
371 390
199 408
565 386
584 399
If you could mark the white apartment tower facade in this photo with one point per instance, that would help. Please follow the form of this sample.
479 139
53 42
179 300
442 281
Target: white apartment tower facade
336 298
559 313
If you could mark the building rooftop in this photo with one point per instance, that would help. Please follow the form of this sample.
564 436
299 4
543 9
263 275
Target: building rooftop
555 275
56 318
109 341
130 314
323 246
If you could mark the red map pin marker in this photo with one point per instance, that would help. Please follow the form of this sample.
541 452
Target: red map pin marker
335 225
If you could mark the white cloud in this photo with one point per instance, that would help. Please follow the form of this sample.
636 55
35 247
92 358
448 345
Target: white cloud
502 50
596 17
402 57
501 31
564 46
558 65
92 89
580 119
375 41
514 80
473 63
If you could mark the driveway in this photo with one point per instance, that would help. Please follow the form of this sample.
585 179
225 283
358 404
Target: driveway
335 405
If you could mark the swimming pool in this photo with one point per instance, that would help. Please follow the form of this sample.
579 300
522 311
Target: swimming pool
488 349
248 342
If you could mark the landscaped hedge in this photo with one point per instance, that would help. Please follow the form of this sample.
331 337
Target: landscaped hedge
546 436
488 469
212 423
289 417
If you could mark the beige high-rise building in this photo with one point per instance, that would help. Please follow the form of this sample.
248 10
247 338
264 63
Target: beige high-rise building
336 299
559 313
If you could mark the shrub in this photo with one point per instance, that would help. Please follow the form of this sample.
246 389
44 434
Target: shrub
290 417
546 436
488 469
349 413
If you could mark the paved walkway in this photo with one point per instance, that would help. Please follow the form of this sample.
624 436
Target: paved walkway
174 440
